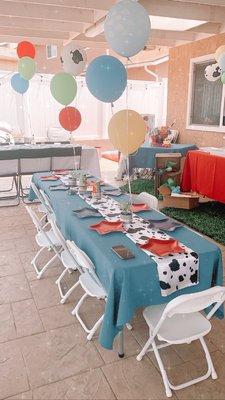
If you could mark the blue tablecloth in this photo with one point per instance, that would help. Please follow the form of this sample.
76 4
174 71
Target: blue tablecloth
145 156
132 283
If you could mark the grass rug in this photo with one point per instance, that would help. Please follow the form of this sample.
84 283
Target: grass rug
208 218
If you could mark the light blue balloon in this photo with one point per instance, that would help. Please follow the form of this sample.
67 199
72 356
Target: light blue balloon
106 78
221 62
19 84
127 27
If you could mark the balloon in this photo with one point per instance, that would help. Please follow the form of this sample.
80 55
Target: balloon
106 78
25 49
27 68
213 72
19 84
73 59
219 51
70 118
221 61
63 88
127 131
127 27
223 78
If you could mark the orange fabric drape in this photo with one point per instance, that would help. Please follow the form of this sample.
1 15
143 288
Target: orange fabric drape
204 173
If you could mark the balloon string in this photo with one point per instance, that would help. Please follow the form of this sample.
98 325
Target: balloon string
127 161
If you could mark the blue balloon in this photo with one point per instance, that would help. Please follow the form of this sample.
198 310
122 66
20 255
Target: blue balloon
106 78
127 27
19 84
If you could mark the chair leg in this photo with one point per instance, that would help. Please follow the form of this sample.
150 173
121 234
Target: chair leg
208 358
145 349
162 370
64 296
40 272
75 311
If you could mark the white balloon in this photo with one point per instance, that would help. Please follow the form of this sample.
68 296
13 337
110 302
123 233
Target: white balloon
127 27
213 72
73 59
221 61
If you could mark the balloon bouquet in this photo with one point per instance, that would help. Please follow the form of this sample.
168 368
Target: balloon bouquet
127 29
26 67
64 87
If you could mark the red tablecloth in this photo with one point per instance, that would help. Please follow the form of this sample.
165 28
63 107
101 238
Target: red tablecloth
204 173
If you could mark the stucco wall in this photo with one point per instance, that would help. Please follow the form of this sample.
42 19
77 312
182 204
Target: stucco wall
178 80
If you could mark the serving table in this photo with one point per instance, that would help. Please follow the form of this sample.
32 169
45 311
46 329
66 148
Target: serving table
134 283
204 173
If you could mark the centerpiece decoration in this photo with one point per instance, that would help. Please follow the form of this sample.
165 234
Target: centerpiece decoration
126 213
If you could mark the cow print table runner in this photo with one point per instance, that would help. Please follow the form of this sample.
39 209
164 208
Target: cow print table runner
175 271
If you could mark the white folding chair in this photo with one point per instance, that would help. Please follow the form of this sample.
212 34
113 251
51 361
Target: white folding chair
46 202
68 261
45 240
91 286
148 199
41 207
178 322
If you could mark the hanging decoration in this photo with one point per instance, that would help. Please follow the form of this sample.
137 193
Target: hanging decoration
27 67
127 27
63 87
73 59
19 84
70 118
25 49
127 131
213 72
106 78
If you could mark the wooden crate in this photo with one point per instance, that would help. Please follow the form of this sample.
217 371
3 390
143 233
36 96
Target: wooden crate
186 203
161 160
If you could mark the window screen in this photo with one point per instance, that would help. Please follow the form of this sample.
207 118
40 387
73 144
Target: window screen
206 98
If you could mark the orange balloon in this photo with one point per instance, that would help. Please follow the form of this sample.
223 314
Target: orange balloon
127 131
70 118
25 49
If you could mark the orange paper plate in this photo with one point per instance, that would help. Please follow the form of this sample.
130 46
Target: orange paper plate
49 178
139 207
105 227
163 247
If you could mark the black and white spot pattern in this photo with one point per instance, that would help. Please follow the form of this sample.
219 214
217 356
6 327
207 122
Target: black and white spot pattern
175 271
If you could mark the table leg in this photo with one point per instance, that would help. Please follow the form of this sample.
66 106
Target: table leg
121 344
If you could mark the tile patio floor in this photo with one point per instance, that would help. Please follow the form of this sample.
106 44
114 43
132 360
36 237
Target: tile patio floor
44 353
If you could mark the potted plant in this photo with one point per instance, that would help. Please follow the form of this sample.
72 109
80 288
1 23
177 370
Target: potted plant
126 213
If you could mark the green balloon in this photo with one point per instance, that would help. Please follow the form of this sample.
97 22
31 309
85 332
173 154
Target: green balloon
27 68
63 88
223 78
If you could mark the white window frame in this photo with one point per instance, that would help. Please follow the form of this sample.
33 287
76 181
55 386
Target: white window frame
197 127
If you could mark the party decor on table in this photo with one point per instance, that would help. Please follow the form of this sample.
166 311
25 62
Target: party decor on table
175 271
167 224
104 227
163 247
86 212
139 207
49 178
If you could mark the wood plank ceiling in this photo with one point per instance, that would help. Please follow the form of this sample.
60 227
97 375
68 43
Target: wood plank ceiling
59 21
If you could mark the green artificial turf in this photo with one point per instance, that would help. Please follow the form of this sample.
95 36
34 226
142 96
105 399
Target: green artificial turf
208 218
140 185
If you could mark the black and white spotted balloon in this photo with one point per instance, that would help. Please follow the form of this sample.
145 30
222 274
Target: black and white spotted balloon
73 59
213 72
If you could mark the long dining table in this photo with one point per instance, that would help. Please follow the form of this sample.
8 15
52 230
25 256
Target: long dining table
130 284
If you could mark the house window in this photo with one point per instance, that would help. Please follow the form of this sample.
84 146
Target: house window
206 108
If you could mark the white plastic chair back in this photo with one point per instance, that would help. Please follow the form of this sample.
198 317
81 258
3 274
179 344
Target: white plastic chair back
193 302
149 199
57 232
34 218
82 258
37 192
46 202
